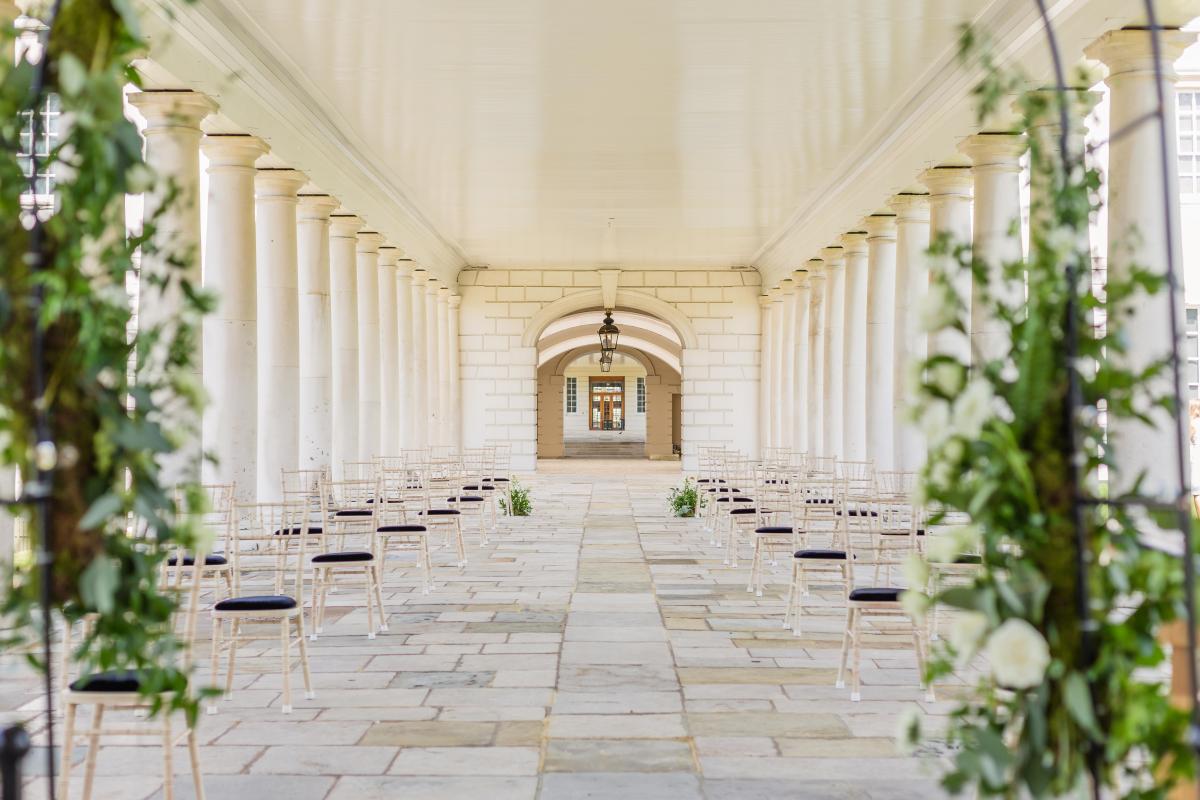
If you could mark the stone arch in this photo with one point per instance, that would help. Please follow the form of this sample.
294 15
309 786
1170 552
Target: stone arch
592 298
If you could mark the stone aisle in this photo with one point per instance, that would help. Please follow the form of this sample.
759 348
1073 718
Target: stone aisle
596 650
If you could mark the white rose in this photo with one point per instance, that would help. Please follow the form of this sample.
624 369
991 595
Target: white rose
916 571
935 423
1018 654
942 548
966 633
915 604
937 309
946 377
972 409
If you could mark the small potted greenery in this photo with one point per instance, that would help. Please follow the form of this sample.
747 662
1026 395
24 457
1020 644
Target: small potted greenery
515 502
686 500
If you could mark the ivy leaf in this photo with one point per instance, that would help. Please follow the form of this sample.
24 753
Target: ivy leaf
1078 699
105 506
98 584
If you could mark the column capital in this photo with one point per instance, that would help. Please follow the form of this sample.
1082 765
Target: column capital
948 181
910 207
443 293
419 276
1129 51
999 152
278 184
316 207
834 257
368 242
388 255
404 268
854 242
232 151
800 278
344 226
455 301
431 287
764 300
787 286
881 227
172 108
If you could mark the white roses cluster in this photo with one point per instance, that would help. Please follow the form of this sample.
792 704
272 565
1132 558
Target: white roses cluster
1018 655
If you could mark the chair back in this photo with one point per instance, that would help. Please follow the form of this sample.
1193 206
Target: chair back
304 486
269 543
360 470
818 511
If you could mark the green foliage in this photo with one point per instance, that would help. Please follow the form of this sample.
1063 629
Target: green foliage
686 500
1000 439
515 502
113 513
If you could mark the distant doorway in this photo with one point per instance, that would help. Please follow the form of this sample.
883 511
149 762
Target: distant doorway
607 405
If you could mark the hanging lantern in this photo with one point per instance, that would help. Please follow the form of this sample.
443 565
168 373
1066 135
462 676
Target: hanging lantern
608 333
606 366
606 360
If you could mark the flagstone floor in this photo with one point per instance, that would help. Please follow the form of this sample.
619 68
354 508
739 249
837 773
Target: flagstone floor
597 649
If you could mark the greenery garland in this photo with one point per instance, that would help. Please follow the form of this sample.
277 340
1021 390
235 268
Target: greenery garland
113 516
1045 712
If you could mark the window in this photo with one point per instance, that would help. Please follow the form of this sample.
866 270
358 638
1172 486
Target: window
1191 374
572 395
46 141
1188 108
641 395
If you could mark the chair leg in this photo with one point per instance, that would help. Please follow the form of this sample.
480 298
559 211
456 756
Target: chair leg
168 746
787 603
426 565
754 564
213 658
309 694
194 757
841 673
377 580
370 603
286 659
68 747
236 628
459 544
89 764
856 640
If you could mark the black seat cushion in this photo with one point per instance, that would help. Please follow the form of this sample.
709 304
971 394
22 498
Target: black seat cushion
401 528
117 680
294 530
773 481
818 501
818 553
349 555
263 602
858 512
440 512
353 512
743 510
710 480
480 488
774 529
464 498
920 532
876 594
189 561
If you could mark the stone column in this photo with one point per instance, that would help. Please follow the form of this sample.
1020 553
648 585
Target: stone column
389 357
950 214
420 361
854 377
278 329
997 233
231 331
367 254
316 359
786 396
433 360
835 349
407 379
881 331
343 288
1137 234
443 370
778 326
817 440
1047 132
800 368
911 344
765 360
172 136
455 398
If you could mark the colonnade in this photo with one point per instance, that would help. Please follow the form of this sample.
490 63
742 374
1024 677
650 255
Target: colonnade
327 345
839 332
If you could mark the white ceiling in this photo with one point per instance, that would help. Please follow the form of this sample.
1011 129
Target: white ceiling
509 132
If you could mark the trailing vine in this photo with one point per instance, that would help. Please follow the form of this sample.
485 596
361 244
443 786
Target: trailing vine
1064 695
112 513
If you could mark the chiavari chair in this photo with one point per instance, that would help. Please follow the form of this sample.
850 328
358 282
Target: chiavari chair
399 525
352 508
820 541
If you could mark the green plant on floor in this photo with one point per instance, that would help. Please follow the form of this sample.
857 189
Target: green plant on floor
110 431
515 502
1045 711
686 500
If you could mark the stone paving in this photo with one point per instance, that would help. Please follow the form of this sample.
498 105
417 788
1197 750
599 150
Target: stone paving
595 650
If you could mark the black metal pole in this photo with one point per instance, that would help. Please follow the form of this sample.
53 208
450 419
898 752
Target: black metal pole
40 490
14 745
